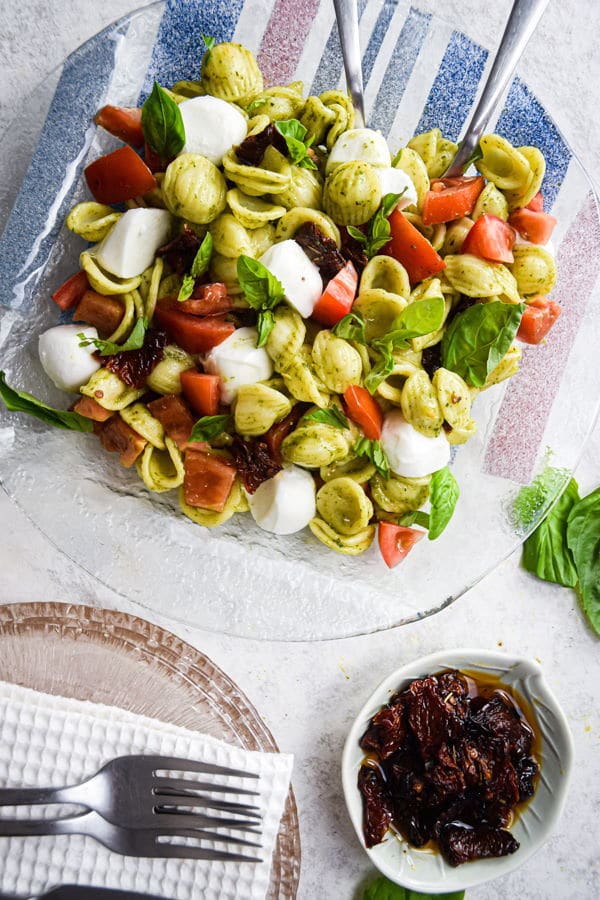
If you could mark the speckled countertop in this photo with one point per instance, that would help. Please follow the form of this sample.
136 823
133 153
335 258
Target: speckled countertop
330 681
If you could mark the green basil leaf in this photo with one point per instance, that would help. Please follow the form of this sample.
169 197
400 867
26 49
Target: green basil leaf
187 288
444 494
256 104
162 124
357 234
418 319
209 42
351 328
418 517
383 889
379 231
382 368
331 416
202 257
475 156
477 339
546 552
261 288
375 452
264 325
533 498
108 348
21 401
209 427
583 539
294 134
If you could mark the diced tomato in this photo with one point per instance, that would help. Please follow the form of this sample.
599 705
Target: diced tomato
71 292
276 434
174 416
533 226
537 320
207 300
119 176
451 198
536 203
192 333
104 313
125 122
208 480
412 249
336 300
490 238
118 437
152 159
364 410
201 392
396 542
91 409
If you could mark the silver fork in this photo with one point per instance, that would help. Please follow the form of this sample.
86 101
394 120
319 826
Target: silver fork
148 842
127 791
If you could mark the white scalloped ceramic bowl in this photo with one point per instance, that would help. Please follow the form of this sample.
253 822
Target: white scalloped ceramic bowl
428 872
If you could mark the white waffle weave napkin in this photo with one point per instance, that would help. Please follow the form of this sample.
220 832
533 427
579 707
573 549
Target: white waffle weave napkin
47 741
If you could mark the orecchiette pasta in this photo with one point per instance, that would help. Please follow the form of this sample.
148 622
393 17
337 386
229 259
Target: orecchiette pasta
343 505
336 362
534 270
258 407
92 221
165 376
349 544
352 193
409 161
387 274
436 152
315 444
194 188
399 495
109 391
420 404
252 212
379 309
231 73
161 470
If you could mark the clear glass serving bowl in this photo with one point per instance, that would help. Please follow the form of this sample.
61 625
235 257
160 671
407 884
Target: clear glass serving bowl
420 74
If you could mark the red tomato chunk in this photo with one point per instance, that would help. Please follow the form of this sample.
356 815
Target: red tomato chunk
451 198
119 176
396 542
192 333
364 410
336 300
412 249
208 480
117 436
71 292
125 122
537 320
490 238
174 416
201 391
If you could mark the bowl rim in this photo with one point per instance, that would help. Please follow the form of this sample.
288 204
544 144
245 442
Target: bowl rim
474 659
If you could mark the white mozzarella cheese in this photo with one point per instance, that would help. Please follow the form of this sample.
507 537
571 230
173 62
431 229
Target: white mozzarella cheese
410 453
395 181
65 363
237 361
285 503
359 143
300 278
212 127
131 244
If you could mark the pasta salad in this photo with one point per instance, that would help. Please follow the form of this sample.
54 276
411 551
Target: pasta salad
273 315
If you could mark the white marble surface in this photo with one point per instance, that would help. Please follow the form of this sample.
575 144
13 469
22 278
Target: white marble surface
308 694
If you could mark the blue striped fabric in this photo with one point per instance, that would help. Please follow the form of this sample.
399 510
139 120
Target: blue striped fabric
399 69
179 47
454 88
331 63
83 81
524 121
376 40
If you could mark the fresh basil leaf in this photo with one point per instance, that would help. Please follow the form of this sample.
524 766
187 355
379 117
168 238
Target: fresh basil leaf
21 401
537 496
477 339
418 319
187 288
546 552
209 42
383 889
418 517
351 328
583 539
261 288
375 452
108 348
380 231
264 325
382 368
256 104
294 134
357 234
397 157
209 427
162 124
443 496
202 257
331 416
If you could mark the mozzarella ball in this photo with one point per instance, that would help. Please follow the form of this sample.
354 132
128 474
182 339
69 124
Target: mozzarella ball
285 503
212 127
65 363
300 278
410 453
362 144
395 181
131 244
237 361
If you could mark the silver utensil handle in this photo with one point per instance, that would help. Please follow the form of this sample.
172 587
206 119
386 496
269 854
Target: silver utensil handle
35 796
82 824
346 13
522 22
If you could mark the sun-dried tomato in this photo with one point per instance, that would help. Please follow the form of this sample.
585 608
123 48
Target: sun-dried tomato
321 250
377 810
254 462
251 151
180 252
353 251
134 366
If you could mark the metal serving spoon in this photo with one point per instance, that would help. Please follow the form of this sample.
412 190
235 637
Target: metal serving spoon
522 22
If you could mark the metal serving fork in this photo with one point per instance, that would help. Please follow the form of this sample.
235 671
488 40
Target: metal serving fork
148 842
128 791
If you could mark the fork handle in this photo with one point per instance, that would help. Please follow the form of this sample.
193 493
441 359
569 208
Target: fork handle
81 824
34 796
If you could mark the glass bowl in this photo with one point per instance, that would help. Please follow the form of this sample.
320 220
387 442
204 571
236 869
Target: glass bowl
239 579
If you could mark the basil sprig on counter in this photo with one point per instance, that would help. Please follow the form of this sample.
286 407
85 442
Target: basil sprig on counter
135 341
199 267
262 290
477 339
294 134
382 889
162 124
583 539
21 401
209 427
332 416
379 231
375 453
546 552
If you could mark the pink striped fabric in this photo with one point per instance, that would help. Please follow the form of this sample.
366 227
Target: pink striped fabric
519 428
283 40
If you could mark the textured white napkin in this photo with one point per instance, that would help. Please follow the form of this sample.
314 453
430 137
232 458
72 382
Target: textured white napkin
47 741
